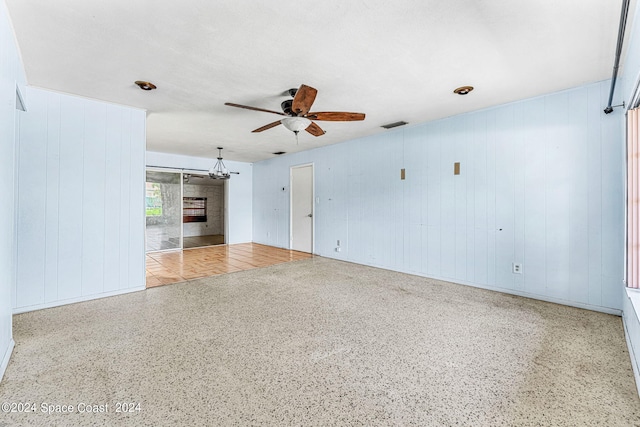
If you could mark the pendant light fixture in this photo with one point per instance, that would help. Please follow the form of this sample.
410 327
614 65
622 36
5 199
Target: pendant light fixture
219 170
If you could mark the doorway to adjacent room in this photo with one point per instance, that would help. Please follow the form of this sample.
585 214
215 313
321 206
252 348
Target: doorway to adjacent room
203 207
183 210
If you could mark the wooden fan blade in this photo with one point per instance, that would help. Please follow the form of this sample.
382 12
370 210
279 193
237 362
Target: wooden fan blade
315 130
303 100
246 107
265 127
336 116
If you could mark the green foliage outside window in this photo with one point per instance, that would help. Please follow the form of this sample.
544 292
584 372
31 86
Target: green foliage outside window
153 199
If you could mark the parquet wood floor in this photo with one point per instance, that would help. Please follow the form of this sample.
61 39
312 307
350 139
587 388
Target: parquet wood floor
164 268
199 241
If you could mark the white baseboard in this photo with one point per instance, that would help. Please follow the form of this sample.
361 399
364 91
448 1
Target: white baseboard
630 325
5 358
52 304
601 309
632 356
607 310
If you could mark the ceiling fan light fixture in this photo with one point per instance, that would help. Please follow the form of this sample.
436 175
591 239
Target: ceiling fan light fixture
145 85
296 124
463 90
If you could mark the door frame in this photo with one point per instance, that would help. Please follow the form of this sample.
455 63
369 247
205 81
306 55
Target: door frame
182 172
313 204
225 211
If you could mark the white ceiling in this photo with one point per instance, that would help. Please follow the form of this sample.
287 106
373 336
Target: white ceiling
393 60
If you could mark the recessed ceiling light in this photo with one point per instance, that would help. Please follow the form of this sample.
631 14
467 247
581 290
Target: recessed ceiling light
145 85
463 90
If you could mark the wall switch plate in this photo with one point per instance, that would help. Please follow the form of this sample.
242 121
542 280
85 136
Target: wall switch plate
338 249
516 268
338 244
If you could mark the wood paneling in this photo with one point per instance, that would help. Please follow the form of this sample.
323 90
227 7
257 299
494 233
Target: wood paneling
80 199
11 74
541 186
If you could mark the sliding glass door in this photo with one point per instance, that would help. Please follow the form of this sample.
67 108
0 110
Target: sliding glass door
164 210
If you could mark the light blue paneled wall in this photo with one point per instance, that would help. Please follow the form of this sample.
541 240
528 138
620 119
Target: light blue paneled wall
239 189
80 200
541 184
11 75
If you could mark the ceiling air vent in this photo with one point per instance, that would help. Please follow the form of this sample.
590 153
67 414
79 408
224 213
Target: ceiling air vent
394 125
279 153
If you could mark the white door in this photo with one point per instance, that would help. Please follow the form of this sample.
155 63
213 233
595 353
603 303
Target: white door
302 208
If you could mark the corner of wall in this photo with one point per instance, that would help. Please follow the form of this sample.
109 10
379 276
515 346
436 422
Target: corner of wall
5 359
631 325
11 73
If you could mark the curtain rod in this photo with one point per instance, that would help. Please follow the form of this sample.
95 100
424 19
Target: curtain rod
206 172
181 169
616 62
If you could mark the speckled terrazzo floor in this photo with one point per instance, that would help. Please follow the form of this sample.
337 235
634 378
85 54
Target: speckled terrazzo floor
321 342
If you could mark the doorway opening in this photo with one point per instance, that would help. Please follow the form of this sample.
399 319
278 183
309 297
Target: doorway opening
184 210
203 207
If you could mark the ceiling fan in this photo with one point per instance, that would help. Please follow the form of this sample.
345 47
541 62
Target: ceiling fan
297 114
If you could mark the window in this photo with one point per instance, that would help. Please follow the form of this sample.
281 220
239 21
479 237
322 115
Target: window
194 209
633 198
153 199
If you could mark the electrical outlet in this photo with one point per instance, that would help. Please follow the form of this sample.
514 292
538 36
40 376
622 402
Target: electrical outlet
516 268
338 249
338 244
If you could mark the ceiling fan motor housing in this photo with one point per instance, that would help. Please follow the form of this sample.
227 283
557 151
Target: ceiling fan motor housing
286 107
